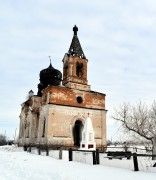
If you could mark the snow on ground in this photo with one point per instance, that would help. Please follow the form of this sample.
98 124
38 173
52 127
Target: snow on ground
15 164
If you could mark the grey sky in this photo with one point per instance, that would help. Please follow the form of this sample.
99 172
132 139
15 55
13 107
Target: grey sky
117 36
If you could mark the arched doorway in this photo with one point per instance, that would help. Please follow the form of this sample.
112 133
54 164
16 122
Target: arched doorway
77 132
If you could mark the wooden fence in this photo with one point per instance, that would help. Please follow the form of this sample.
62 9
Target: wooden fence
109 158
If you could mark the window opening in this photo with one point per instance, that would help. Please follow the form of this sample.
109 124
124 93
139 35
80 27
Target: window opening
43 132
79 99
79 69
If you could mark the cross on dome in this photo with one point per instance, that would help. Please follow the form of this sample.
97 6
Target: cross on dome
50 60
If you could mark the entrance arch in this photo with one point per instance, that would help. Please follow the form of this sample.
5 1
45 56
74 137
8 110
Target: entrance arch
77 132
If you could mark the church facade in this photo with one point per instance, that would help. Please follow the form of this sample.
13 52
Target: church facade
56 115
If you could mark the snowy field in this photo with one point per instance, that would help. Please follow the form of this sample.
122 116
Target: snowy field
15 164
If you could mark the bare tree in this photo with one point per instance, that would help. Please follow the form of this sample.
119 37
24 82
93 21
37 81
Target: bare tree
139 120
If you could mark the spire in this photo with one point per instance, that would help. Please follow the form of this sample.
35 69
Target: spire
75 47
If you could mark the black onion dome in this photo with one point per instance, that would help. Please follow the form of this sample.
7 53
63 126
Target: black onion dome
49 76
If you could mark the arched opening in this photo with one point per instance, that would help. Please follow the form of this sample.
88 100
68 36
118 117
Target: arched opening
43 130
77 132
79 69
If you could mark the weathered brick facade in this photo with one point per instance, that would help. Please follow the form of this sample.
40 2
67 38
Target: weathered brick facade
57 114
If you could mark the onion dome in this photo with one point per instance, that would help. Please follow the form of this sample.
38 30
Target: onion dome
49 76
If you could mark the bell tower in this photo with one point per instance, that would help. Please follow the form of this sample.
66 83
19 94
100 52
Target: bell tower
75 65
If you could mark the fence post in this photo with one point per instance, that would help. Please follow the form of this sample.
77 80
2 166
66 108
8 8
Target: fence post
70 154
135 160
94 157
25 148
39 150
97 157
60 153
47 151
29 149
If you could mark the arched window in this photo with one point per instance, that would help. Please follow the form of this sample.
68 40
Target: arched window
65 71
28 128
43 130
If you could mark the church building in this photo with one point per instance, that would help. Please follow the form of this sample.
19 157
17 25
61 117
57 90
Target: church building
56 115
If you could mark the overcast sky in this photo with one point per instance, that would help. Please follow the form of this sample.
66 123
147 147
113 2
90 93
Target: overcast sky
118 38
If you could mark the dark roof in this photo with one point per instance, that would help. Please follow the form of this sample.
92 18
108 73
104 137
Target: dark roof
49 76
75 47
